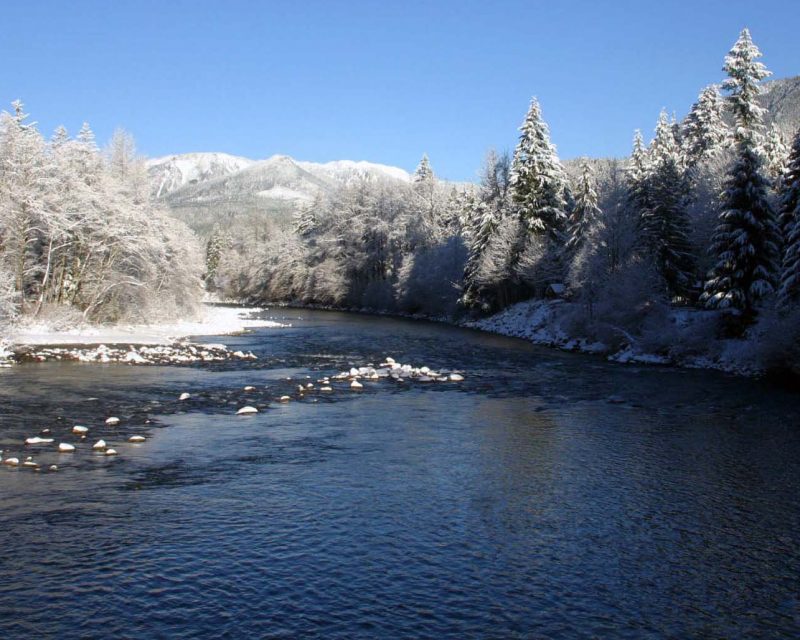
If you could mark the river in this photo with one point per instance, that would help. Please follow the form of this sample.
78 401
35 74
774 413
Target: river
548 495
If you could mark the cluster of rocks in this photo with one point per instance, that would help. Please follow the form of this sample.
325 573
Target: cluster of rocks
398 372
355 377
176 353
45 443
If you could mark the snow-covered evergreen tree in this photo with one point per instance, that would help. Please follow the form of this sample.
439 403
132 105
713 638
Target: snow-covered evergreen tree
664 224
60 137
776 155
638 178
486 222
790 227
746 241
423 172
537 179
216 245
585 217
86 156
745 73
485 213
704 130
305 218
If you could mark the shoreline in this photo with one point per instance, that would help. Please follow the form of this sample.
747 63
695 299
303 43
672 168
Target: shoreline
534 322
159 343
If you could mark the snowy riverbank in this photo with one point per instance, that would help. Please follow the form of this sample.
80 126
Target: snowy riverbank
686 339
143 342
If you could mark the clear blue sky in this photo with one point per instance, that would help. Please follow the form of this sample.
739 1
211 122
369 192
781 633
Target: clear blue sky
381 81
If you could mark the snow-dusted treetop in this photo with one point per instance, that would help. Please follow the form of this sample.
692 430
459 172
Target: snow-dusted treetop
744 74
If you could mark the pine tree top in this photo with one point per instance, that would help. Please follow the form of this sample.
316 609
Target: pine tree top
664 147
639 162
424 171
86 136
744 74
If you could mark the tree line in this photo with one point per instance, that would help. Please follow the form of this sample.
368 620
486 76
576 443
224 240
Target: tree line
705 216
79 234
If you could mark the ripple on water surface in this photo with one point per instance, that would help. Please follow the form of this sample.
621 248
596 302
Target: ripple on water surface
519 503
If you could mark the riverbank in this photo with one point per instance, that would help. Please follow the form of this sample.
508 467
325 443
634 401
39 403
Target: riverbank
551 323
681 337
141 343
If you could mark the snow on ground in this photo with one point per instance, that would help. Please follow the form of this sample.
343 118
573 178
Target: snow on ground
214 321
537 322
540 322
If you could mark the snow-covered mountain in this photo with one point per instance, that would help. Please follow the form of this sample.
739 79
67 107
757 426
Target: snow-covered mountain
204 189
781 98
344 171
173 172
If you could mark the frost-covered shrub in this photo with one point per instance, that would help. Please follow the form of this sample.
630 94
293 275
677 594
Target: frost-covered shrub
679 333
624 302
773 343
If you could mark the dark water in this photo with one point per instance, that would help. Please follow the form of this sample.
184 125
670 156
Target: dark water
517 504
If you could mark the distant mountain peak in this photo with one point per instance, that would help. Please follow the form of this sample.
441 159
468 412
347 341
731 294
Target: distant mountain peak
206 188
170 173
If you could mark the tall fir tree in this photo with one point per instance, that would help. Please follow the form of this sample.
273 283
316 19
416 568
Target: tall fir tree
790 228
704 130
637 176
664 225
776 155
484 214
538 182
585 216
746 241
485 222
745 74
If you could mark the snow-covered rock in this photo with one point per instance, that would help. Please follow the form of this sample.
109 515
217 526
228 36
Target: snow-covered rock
246 411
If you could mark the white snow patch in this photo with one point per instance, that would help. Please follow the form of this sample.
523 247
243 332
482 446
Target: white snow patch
341 169
214 321
284 193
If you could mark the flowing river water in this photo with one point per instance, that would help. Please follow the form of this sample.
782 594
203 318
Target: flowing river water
548 495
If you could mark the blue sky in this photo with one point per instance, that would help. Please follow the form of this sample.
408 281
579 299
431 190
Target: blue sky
379 81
